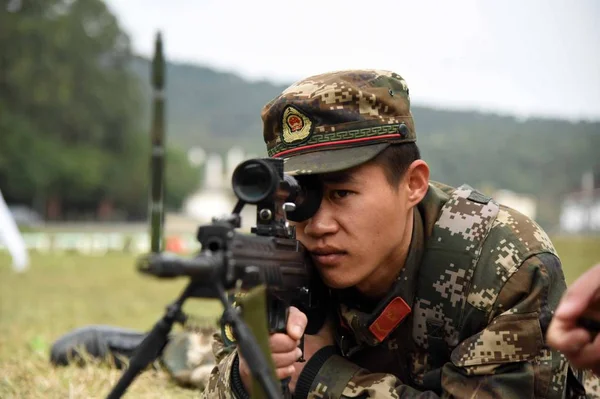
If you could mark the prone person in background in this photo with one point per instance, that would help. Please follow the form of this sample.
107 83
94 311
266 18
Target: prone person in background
187 356
579 341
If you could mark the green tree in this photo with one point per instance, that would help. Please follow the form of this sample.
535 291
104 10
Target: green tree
70 109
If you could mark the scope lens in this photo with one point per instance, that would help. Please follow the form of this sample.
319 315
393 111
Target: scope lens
253 181
307 193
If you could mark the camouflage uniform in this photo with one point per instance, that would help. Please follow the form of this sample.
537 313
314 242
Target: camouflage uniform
188 356
467 314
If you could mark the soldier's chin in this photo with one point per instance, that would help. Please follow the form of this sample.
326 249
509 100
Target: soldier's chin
336 281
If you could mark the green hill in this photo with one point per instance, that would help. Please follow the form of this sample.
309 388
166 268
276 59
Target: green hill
541 157
214 110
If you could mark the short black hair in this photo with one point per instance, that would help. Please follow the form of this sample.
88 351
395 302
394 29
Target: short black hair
396 159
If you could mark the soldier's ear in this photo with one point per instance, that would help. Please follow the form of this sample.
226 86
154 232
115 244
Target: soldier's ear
416 180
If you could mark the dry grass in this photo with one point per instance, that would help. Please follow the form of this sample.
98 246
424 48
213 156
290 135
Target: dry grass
60 293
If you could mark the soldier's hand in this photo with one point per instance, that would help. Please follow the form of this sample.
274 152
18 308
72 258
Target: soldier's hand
284 349
312 343
579 345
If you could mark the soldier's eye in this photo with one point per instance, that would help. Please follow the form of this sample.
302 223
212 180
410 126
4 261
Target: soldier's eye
339 194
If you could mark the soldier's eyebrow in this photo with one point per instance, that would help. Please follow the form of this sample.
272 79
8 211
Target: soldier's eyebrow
338 178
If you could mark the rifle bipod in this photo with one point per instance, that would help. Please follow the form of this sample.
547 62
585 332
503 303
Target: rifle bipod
153 345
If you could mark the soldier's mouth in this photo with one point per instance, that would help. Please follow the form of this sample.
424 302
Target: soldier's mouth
328 258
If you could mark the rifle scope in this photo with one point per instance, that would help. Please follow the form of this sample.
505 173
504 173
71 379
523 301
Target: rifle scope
258 180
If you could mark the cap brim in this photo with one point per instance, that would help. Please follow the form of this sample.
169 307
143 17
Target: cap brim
327 161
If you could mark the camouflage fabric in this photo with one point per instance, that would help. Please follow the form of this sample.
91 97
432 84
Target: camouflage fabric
188 356
591 384
219 384
371 110
481 282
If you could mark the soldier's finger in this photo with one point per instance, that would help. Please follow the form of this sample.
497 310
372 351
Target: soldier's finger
243 366
285 372
296 323
286 359
588 357
579 295
245 373
567 340
282 343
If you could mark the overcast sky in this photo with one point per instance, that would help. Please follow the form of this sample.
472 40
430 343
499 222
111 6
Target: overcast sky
521 57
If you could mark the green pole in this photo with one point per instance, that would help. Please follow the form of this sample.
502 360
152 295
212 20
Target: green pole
157 160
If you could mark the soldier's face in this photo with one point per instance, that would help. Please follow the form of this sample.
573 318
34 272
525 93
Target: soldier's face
361 233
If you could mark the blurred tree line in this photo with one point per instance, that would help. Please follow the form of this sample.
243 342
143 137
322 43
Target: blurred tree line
540 157
72 141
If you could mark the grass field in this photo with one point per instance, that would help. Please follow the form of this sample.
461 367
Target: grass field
62 292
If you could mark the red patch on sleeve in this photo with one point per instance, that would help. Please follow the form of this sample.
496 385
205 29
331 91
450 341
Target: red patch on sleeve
388 320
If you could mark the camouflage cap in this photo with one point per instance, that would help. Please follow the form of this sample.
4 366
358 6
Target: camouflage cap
337 120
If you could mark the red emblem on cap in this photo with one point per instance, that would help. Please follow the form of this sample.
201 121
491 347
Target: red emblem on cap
295 123
388 320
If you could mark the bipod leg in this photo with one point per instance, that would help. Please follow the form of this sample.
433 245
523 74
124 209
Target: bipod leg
152 346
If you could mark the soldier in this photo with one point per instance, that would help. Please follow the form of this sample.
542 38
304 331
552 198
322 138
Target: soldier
434 291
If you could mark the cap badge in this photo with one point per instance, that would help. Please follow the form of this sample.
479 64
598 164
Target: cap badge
296 126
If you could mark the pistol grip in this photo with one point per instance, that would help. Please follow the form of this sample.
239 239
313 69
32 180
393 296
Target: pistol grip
277 313
301 346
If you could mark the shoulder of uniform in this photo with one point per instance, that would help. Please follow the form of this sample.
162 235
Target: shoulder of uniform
516 233
512 240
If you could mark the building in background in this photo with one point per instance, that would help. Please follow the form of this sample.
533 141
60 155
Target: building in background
215 196
580 211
